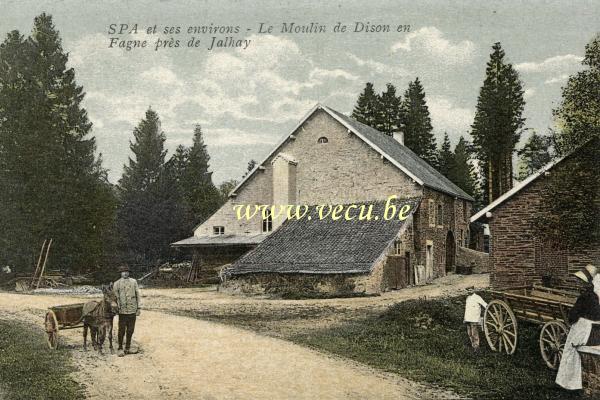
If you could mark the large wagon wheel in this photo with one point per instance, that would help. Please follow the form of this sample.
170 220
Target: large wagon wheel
51 325
500 327
552 342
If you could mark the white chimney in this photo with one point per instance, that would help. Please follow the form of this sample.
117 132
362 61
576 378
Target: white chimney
399 136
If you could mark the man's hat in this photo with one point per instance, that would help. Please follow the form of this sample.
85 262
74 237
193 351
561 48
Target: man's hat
123 268
587 274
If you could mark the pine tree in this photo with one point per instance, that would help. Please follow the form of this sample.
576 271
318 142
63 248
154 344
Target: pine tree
463 173
151 213
578 117
249 168
416 123
201 195
534 155
52 181
445 157
367 107
388 111
498 124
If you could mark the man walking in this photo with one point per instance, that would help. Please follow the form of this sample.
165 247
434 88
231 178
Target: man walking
128 300
473 307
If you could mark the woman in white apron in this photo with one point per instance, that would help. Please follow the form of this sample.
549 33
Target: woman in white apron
583 331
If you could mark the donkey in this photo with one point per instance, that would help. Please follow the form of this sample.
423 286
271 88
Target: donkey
98 317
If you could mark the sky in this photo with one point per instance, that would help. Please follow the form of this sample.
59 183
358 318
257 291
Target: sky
246 99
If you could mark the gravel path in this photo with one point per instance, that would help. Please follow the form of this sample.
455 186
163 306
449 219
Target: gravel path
188 358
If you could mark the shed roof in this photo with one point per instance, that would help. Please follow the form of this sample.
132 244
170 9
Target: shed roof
220 240
324 246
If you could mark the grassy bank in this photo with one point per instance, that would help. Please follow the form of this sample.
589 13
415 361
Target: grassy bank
423 340
29 369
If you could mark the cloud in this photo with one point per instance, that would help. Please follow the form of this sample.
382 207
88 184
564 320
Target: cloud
379 67
431 41
551 65
162 75
529 92
557 79
446 116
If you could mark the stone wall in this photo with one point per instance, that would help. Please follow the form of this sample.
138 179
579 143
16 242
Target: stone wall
343 170
518 254
481 260
456 214
305 284
591 374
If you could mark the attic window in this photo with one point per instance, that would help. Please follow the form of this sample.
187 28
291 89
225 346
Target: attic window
322 139
397 246
218 230
267 223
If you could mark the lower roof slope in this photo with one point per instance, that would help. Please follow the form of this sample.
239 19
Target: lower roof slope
325 246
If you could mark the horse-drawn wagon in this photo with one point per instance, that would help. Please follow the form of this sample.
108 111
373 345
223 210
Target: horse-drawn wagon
546 307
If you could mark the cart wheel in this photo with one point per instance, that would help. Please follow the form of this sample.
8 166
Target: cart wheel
51 325
500 327
552 341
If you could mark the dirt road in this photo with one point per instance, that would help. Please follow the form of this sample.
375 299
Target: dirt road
192 359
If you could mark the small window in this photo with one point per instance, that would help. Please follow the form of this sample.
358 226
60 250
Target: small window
431 213
397 246
465 213
219 230
322 139
267 223
467 239
440 215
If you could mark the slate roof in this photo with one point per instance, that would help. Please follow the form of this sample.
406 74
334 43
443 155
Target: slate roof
406 157
324 246
220 240
399 155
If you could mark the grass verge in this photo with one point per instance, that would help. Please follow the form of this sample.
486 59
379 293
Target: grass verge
425 340
29 369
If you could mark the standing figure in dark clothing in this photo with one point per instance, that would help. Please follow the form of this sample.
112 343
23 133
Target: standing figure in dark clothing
588 303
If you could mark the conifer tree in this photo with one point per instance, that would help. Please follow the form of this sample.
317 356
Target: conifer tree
51 180
446 157
416 123
463 173
367 106
200 194
498 124
151 213
534 155
388 111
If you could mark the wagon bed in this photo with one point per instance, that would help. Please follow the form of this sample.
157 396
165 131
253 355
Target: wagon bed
548 307
62 317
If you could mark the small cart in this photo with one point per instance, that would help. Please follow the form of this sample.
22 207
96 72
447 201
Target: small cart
62 317
540 305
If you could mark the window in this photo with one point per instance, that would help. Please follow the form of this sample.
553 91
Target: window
322 139
440 215
467 239
459 242
218 230
465 213
267 223
431 213
398 246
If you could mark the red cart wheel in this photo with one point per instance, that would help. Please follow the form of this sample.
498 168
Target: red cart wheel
51 325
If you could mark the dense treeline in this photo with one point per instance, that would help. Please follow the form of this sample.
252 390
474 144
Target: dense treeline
52 184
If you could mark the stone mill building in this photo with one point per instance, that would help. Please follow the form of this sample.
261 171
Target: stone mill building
331 159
